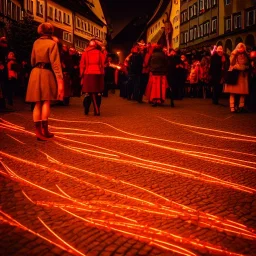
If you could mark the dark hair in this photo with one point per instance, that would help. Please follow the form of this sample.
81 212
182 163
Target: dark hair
45 28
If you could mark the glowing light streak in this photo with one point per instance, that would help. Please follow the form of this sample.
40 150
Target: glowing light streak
120 194
158 139
99 136
65 194
207 129
128 233
63 241
73 129
12 124
196 175
21 226
222 137
15 139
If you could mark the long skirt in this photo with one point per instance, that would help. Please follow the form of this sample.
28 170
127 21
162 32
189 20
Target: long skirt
93 83
156 88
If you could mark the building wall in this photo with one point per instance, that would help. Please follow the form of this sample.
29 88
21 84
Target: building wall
175 21
199 22
234 21
71 28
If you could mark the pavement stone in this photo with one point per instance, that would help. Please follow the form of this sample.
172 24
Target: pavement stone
119 184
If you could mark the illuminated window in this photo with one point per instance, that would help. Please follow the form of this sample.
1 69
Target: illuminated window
50 12
227 24
227 2
67 37
214 25
237 21
39 9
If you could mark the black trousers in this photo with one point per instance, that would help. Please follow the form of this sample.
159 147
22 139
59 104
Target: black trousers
216 92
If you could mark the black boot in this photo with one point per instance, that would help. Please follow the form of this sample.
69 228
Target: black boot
38 131
45 130
87 104
98 101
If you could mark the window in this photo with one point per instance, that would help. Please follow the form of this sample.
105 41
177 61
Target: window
50 13
78 23
184 16
186 37
201 5
39 9
66 18
195 32
18 13
250 18
227 2
30 6
206 28
9 8
191 34
214 3
14 11
67 37
214 25
237 21
227 24
207 4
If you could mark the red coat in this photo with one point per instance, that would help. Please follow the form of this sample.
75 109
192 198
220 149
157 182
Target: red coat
92 70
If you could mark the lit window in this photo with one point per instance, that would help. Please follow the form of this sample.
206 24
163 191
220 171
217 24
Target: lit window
214 25
228 24
50 12
39 9
237 21
67 37
227 2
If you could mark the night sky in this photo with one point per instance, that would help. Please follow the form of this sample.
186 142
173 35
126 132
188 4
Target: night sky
121 12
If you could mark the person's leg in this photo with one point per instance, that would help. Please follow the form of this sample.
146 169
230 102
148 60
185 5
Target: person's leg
232 103
95 105
87 103
37 118
45 115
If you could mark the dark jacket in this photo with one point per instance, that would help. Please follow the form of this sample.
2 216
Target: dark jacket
158 64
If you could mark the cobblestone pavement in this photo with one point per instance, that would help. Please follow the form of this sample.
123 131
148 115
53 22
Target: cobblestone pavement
135 181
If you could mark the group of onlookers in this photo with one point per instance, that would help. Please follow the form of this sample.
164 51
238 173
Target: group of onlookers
58 73
156 73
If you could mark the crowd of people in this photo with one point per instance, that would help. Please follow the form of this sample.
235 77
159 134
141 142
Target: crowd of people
57 72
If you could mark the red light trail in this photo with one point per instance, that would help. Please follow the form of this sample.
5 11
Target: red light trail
123 218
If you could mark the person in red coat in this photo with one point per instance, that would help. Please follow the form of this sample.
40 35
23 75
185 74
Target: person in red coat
92 74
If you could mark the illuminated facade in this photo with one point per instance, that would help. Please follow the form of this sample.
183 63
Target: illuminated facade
71 26
221 22
159 24
175 21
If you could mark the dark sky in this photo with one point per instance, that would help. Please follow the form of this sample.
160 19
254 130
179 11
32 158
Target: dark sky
121 12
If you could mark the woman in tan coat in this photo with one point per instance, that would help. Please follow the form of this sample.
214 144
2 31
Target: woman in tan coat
239 60
46 79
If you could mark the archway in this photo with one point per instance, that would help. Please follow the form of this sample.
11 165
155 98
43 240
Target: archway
219 43
228 46
250 41
238 40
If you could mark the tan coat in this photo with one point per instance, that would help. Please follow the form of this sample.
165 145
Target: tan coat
42 83
240 62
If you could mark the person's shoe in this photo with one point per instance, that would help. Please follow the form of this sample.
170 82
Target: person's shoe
38 131
154 104
242 110
45 130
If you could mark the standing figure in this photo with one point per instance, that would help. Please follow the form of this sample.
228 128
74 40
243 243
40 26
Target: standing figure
12 84
239 60
218 67
92 73
46 79
157 84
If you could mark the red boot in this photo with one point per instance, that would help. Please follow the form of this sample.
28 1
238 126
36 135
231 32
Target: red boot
38 131
45 130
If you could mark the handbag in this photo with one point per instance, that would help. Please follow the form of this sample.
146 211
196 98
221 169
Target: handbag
232 77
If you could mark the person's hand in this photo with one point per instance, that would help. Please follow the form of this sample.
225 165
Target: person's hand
60 89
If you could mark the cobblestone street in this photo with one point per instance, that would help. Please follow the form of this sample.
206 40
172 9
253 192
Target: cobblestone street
136 180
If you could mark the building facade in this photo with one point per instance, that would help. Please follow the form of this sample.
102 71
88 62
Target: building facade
71 25
175 21
221 22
